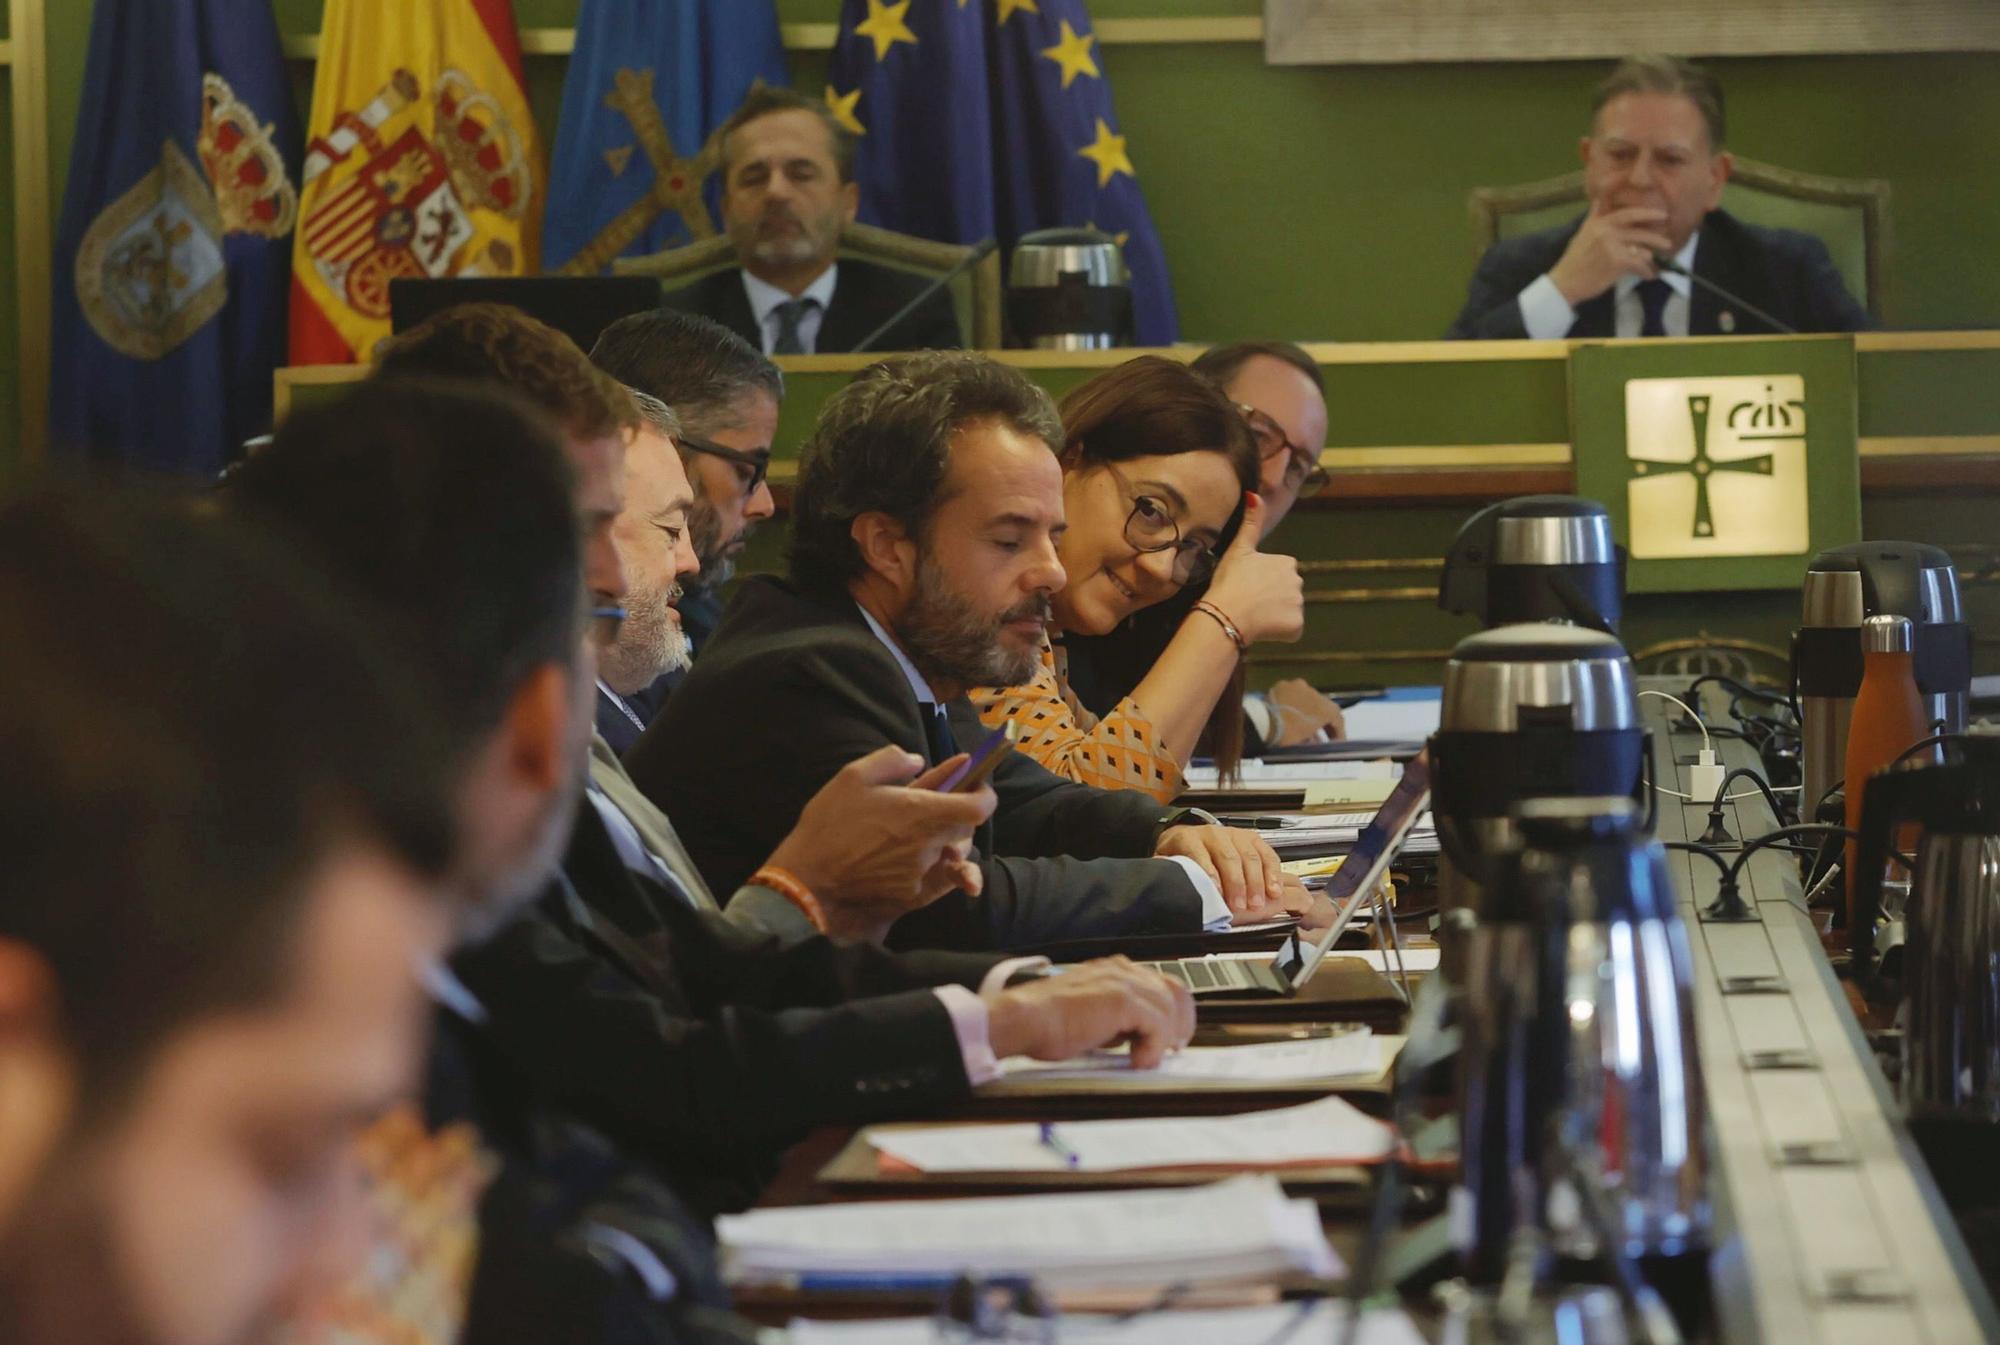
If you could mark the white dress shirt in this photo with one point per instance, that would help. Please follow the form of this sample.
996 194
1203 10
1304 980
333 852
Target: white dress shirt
1547 315
1215 915
765 298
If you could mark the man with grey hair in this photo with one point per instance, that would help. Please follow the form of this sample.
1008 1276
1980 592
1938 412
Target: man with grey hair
655 545
1653 172
726 395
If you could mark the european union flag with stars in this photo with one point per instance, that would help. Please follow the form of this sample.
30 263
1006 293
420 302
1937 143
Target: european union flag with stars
980 117
649 82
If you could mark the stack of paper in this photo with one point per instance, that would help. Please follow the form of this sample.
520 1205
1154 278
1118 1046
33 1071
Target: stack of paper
1240 1229
1311 1321
1327 1131
1345 1054
1328 831
1261 774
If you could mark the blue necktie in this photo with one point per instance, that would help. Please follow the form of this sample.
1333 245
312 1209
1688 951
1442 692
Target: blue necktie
937 732
1653 303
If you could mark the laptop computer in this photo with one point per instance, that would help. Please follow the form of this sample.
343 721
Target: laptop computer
1350 888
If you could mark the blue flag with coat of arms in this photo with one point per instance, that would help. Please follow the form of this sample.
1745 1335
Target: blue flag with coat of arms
173 258
993 117
649 82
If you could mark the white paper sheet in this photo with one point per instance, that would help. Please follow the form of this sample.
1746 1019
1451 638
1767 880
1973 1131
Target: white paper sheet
1241 1228
1294 1322
1410 719
1345 1055
1329 1130
1258 773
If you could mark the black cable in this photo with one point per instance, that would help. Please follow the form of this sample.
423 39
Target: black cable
1763 787
1706 852
1738 688
1801 828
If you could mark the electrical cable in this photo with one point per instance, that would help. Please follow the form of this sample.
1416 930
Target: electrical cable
1706 740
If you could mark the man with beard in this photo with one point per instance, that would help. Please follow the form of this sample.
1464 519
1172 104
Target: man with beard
215 903
726 396
922 561
788 190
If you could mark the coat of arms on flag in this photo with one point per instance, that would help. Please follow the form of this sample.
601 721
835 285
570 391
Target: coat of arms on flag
398 203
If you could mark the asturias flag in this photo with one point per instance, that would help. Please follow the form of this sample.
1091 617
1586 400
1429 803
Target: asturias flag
993 117
170 271
421 161
649 82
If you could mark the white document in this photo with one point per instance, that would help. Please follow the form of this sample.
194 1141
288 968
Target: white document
1391 720
1252 774
1344 1055
1330 1130
1232 1230
1311 1322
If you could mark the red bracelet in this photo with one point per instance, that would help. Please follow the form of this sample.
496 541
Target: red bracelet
787 885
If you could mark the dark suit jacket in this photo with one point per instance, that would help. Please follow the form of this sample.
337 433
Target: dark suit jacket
864 297
793 687
1786 273
539 1275
699 1047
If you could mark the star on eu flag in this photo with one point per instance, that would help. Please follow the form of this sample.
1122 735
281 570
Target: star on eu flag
1008 8
1108 153
884 26
842 107
1073 54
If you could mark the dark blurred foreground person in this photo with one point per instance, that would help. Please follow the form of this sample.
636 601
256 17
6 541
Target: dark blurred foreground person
213 910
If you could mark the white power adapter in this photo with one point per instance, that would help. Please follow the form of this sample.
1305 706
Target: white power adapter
1705 778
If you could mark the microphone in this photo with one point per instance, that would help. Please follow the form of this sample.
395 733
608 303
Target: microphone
980 251
1666 263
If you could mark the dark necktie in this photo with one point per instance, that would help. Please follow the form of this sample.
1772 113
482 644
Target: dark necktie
1653 303
790 314
937 732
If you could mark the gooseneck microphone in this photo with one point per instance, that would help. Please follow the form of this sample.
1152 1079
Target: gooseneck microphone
979 253
1665 262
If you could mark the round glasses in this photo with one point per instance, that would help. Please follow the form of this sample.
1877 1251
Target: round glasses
1302 470
1151 528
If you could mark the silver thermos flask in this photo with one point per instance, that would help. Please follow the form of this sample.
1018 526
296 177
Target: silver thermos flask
1844 586
1579 1080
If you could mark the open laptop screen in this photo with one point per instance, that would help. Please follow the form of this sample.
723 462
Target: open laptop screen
1353 884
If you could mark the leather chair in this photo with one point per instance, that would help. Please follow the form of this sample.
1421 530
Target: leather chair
1850 215
975 295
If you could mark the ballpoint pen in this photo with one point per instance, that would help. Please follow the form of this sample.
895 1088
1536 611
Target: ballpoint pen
1053 1143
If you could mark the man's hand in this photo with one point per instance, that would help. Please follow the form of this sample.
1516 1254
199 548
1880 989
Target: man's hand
1302 712
878 841
1607 245
1090 1005
1262 593
1246 869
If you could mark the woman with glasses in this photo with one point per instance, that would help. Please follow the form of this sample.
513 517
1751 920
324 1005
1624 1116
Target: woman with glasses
1159 475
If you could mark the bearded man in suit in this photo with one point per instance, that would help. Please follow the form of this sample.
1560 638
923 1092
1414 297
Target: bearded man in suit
788 190
1653 170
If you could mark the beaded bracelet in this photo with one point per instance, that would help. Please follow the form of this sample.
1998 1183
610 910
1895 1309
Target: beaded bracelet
1208 608
787 885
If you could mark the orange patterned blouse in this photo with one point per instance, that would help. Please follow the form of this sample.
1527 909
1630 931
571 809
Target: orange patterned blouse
1119 751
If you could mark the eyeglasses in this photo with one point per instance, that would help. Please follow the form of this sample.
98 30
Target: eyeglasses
758 462
1151 528
605 623
1303 471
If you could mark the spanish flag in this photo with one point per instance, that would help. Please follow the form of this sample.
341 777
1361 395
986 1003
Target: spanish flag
420 160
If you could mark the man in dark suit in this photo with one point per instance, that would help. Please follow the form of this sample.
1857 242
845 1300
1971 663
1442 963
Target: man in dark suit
701 1047
788 190
922 560
1653 171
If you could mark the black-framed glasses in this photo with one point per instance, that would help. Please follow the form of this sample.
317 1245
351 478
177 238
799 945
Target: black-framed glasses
1302 468
605 623
759 462
1151 527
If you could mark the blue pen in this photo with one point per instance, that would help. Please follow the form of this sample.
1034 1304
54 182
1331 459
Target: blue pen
1050 1141
868 1282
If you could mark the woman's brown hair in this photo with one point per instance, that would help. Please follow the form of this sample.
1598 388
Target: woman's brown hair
1156 407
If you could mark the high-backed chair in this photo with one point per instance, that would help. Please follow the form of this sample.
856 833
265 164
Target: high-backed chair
1849 215
975 295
